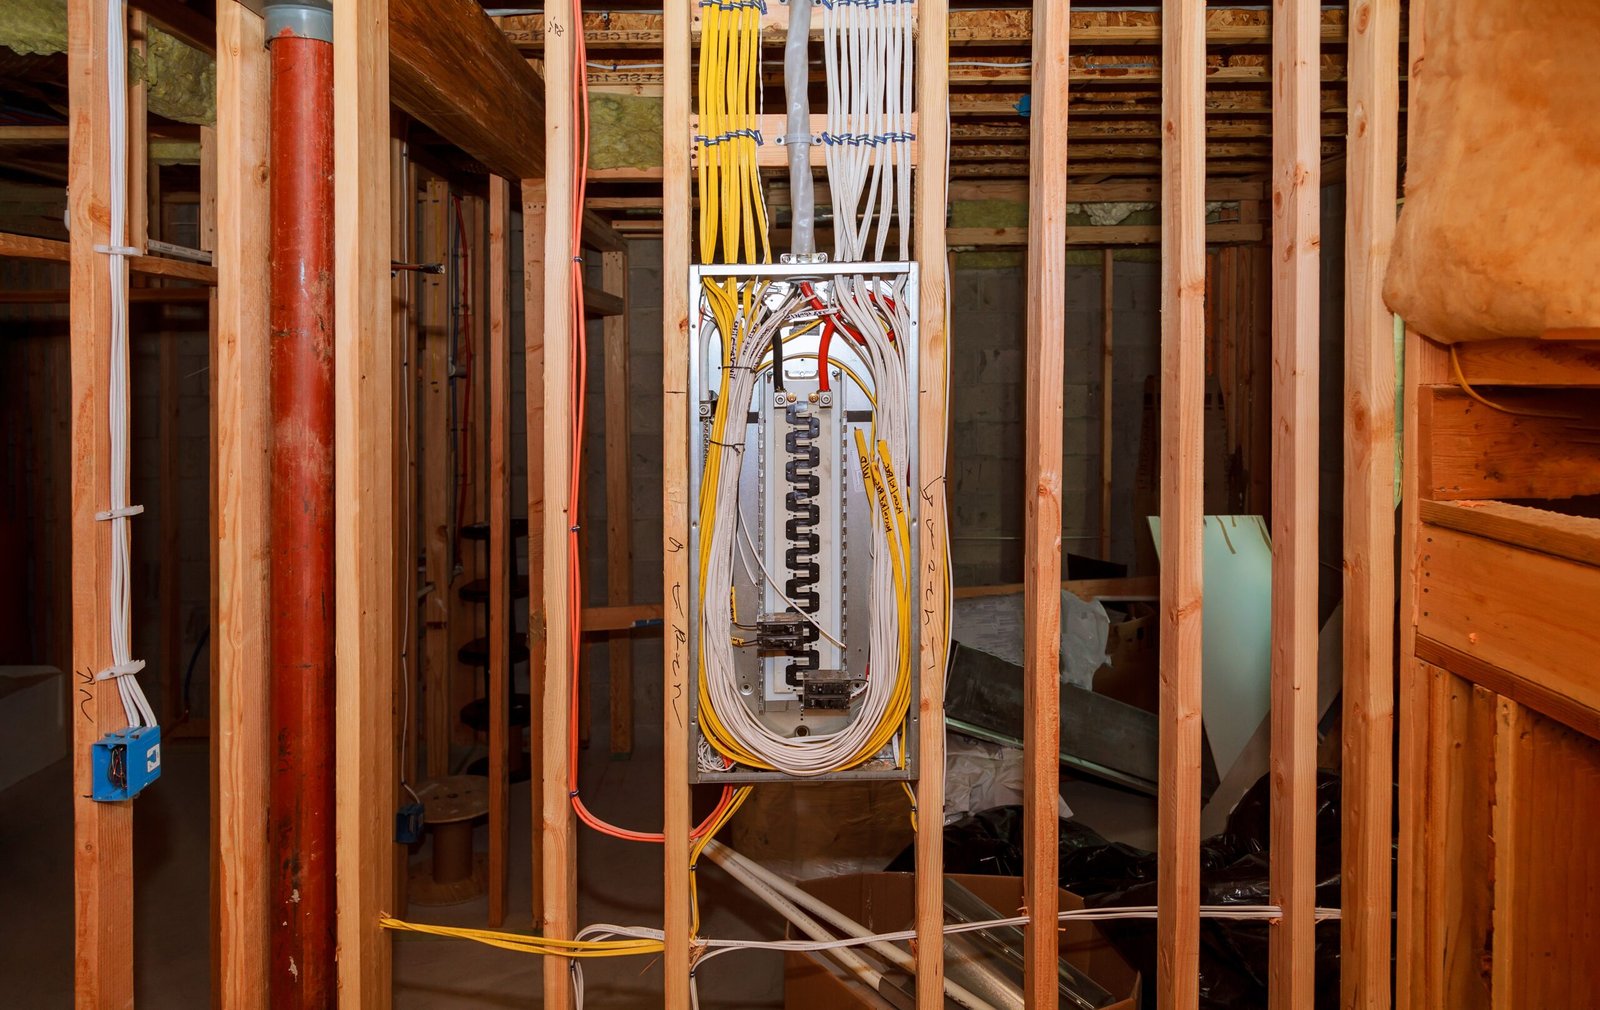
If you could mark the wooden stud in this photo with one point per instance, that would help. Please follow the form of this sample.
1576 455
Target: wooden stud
468 620
139 176
1295 348
500 544
102 832
560 849
1512 753
619 497
678 667
933 603
1107 400
365 364
533 281
241 358
402 231
1046 363
189 25
169 512
437 483
1372 161
1182 504
1426 363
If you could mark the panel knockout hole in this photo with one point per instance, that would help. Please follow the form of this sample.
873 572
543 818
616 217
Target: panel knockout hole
802 731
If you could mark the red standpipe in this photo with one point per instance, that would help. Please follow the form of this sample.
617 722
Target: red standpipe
301 805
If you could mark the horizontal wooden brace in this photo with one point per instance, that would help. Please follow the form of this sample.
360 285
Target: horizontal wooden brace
617 30
31 247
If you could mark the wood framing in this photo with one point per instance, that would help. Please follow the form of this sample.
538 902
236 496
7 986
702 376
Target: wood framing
433 334
1108 377
1425 363
933 585
29 247
560 847
241 359
1183 365
138 129
619 494
102 832
452 69
1296 207
1371 165
500 544
677 664
1042 463
403 333
533 296
365 367
643 30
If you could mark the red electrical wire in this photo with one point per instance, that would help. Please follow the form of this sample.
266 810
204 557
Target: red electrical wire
580 114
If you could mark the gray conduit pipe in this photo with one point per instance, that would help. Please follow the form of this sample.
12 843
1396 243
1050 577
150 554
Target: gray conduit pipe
797 96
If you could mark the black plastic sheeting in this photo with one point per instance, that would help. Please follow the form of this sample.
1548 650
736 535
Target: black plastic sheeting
1233 871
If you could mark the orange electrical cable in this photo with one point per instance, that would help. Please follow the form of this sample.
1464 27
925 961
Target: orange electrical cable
580 114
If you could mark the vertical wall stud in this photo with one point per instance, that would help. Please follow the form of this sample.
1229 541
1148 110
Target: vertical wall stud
933 590
365 364
102 832
560 333
1371 160
1183 263
500 543
239 643
1046 392
1296 244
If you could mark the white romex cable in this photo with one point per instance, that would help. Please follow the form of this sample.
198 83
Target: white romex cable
869 55
123 666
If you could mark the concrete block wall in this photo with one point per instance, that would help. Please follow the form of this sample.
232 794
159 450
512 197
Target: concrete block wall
988 404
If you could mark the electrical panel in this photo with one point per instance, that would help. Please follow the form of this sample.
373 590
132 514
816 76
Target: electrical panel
808 615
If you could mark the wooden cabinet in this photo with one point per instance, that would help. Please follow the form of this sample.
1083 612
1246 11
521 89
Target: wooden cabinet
1499 898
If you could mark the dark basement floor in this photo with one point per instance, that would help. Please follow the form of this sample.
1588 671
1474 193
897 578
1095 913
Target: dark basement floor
620 882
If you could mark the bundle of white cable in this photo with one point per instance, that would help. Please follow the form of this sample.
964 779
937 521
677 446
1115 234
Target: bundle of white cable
123 666
819 753
869 59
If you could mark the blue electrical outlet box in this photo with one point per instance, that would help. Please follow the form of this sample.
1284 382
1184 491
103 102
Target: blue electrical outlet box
125 762
408 824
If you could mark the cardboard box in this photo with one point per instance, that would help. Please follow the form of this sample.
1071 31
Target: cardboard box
884 902
1131 675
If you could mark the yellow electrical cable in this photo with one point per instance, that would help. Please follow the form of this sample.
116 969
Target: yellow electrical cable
739 796
528 943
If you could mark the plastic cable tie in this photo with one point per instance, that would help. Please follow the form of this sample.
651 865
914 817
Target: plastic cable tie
127 669
119 513
118 250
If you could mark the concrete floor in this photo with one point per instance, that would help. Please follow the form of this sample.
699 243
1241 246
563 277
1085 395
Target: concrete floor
620 883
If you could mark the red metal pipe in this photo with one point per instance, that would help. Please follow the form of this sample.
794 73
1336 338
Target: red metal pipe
301 804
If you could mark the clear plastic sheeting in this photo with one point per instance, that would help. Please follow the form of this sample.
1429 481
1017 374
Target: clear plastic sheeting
980 775
993 624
